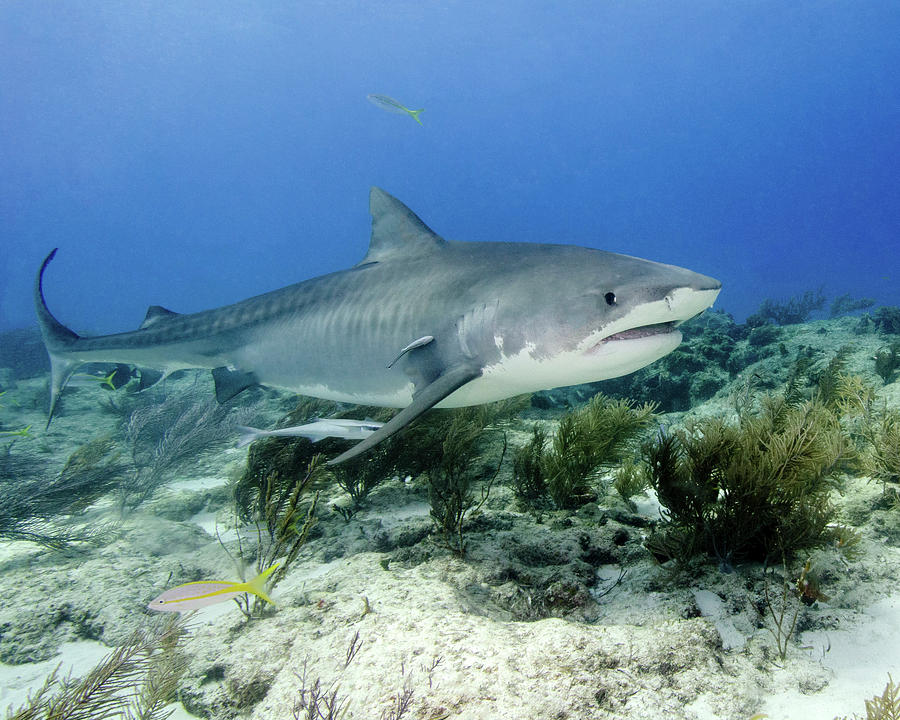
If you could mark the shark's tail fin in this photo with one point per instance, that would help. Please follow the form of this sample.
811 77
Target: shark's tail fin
58 340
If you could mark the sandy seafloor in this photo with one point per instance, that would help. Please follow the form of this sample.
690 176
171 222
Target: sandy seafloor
458 632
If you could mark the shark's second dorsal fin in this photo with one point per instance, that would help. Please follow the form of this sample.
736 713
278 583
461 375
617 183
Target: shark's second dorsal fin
155 313
396 230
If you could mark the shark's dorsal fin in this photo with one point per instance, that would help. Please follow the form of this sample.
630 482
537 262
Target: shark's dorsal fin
155 313
396 230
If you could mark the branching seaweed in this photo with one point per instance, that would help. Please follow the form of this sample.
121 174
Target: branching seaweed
874 426
283 514
528 481
795 310
750 492
785 611
452 477
164 436
32 507
136 681
589 439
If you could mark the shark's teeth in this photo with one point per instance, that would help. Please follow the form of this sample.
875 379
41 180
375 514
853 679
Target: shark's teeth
639 332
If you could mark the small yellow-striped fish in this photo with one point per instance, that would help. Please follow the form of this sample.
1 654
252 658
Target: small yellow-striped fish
194 595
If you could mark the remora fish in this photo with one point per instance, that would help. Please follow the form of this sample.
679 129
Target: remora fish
419 322
319 429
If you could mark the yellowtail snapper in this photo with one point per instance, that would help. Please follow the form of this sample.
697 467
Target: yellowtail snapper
391 105
195 595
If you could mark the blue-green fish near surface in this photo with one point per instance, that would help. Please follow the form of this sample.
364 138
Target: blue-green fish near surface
195 595
391 105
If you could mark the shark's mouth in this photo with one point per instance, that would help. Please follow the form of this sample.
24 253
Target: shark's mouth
641 332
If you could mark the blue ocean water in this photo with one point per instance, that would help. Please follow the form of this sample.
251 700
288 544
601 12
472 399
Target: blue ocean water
192 154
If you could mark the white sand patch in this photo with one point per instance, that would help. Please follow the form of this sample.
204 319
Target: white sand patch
207 520
647 505
712 607
197 483
859 658
396 516
18 552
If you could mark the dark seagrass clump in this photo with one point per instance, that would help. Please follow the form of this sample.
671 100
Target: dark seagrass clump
847 304
887 362
283 509
790 312
887 319
752 492
449 447
39 509
588 440
528 481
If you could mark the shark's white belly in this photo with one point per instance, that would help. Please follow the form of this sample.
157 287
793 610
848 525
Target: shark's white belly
523 373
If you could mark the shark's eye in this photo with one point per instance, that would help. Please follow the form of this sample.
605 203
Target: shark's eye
610 298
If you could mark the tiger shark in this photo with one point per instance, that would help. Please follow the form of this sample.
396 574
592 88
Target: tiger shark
420 322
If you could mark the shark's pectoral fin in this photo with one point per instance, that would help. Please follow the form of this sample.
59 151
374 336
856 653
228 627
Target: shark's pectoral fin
232 382
425 399
421 342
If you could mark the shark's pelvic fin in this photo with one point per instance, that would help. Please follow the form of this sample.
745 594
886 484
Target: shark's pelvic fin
232 382
397 230
425 399
149 378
